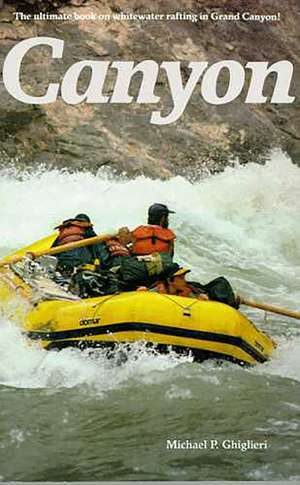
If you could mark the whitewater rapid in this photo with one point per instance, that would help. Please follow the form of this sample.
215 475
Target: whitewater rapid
242 223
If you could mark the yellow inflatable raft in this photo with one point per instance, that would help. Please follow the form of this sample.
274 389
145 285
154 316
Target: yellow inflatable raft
58 319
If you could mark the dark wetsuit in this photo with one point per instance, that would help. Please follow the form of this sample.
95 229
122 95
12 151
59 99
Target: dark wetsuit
68 260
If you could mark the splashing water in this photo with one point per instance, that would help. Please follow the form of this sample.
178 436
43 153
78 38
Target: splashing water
239 223
242 224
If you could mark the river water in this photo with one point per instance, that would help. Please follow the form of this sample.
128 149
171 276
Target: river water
78 416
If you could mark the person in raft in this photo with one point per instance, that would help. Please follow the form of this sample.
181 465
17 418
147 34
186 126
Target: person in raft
140 256
71 230
78 228
173 282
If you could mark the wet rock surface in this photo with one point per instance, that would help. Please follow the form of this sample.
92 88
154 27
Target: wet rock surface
206 137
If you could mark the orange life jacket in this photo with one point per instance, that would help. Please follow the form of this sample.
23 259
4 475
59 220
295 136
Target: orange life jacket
152 239
116 248
71 232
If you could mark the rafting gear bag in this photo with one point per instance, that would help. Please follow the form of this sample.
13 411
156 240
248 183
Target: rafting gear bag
88 284
218 289
143 270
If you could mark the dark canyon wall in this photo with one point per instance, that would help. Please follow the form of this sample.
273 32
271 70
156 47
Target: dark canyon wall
120 136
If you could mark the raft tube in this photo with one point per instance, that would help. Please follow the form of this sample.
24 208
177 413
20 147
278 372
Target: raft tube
206 329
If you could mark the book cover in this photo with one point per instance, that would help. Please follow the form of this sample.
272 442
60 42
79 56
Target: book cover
108 108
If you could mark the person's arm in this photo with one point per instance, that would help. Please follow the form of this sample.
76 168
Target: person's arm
198 291
171 248
125 236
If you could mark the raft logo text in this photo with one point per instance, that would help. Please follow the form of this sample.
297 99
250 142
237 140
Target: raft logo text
150 69
89 321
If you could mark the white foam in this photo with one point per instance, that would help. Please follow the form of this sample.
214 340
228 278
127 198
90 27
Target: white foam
241 223
285 361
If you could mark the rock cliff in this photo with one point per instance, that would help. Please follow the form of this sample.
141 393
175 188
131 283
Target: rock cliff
206 137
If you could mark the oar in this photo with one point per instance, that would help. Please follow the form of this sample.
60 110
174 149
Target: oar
269 308
60 249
